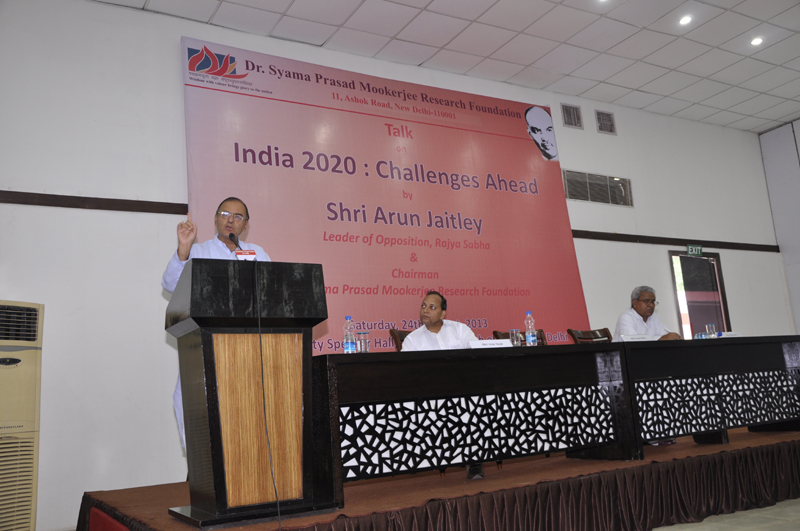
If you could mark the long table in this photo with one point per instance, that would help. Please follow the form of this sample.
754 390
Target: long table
408 412
705 387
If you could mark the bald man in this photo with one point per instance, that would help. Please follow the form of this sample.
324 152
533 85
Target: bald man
540 129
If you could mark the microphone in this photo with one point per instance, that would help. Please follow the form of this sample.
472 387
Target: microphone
232 237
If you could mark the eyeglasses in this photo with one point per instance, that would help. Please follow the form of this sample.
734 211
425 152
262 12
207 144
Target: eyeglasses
226 215
648 302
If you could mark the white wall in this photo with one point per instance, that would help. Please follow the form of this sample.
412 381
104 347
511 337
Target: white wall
781 151
609 271
91 104
689 180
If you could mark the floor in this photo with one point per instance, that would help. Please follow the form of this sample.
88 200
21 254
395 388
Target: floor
785 516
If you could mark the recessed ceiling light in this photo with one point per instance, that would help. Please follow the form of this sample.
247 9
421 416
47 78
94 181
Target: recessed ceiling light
685 20
756 41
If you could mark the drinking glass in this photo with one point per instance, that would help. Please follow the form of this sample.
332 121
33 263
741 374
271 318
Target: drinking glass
362 342
514 336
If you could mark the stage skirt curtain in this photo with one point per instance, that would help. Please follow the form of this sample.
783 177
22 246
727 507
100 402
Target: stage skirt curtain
629 499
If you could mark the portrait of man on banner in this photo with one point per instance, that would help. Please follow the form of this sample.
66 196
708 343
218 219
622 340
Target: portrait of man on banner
540 129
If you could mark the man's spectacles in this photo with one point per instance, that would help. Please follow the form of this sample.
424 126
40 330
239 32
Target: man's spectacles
226 215
648 302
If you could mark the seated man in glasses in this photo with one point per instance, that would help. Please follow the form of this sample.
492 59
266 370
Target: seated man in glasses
640 318
232 217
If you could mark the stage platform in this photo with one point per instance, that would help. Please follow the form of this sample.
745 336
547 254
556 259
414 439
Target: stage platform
680 483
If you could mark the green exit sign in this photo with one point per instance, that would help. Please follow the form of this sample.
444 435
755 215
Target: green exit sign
695 250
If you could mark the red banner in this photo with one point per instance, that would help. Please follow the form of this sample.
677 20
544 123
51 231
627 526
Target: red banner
395 188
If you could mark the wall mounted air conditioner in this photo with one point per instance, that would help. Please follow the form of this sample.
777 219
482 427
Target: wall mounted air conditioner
20 386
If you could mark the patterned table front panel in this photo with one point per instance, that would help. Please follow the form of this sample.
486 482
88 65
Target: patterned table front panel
675 407
382 439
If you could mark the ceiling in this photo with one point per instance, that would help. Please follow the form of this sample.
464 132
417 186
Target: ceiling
633 53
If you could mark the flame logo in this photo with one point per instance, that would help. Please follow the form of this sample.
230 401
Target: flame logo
206 62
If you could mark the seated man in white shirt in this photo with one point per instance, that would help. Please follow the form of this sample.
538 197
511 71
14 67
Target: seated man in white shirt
231 218
640 318
436 333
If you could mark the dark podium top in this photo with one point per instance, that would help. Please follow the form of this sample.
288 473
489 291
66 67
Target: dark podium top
230 293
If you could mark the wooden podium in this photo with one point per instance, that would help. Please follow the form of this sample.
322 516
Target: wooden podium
244 399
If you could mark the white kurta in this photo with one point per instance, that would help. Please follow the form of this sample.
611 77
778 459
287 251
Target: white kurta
453 335
631 323
214 249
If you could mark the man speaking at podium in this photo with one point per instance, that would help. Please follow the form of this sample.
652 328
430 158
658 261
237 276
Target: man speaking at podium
231 220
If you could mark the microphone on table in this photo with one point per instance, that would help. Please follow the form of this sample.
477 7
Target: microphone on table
232 237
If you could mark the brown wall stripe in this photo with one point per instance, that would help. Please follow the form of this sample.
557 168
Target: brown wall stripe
92 203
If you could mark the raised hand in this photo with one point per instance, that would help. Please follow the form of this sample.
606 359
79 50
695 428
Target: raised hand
187 232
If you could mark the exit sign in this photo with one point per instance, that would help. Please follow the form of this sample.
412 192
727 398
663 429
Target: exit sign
695 250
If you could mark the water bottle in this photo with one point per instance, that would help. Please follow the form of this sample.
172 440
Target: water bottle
530 330
349 336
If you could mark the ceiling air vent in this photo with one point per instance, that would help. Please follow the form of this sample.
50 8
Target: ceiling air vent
571 115
597 188
18 323
605 122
